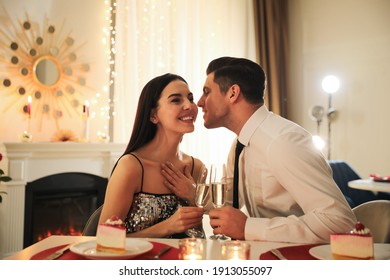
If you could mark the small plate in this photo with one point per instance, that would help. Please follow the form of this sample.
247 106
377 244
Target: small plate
134 247
324 252
382 180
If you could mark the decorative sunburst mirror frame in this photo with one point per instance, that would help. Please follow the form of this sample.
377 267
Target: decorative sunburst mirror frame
41 62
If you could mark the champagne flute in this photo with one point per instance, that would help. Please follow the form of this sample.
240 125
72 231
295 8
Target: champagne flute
218 192
202 187
201 193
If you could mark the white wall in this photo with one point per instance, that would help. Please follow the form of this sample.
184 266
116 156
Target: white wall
350 39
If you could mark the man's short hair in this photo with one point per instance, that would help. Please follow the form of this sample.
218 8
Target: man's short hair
247 74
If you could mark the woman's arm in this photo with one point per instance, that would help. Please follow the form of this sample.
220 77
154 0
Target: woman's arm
125 181
183 219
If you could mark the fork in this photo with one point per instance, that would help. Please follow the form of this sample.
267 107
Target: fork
162 251
278 254
59 252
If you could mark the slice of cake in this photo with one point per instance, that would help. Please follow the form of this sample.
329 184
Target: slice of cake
356 244
111 236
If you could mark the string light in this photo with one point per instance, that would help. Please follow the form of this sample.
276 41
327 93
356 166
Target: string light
106 111
112 67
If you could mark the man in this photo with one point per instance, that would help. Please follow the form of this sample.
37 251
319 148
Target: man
286 190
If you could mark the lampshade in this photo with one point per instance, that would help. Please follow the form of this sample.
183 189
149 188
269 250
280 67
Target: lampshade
317 113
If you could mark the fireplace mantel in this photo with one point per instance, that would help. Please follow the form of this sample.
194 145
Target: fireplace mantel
30 161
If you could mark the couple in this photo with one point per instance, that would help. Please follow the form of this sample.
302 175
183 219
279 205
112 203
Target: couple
286 189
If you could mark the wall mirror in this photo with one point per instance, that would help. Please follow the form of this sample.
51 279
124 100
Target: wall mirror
47 71
44 63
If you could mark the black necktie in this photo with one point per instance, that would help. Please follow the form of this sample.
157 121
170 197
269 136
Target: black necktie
239 148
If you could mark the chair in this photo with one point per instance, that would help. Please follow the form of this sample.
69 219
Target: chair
342 174
90 227
375 215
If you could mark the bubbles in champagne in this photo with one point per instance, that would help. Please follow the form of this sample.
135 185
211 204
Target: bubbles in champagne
218 192
201 194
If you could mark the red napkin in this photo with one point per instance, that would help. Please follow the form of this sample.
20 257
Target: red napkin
68 255
300 252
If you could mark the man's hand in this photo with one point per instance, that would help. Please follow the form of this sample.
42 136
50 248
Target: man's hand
229 221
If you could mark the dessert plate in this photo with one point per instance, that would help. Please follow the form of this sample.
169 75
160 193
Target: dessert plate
134 247
324 252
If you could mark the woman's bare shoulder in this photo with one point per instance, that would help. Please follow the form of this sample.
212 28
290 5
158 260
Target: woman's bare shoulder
129 162
127 174
188 159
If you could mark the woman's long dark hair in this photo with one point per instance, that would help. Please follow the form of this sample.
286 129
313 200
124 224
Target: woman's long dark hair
144 130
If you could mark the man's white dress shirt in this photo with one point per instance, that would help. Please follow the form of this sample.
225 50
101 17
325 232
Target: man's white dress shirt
286 185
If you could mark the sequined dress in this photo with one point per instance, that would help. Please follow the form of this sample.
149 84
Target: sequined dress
149 209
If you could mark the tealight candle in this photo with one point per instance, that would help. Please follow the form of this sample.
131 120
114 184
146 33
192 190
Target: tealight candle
235 250
192 249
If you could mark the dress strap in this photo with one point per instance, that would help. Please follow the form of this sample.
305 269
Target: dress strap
192 169
142 167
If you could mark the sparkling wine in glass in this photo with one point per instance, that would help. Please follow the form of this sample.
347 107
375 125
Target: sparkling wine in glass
218 192
202 187
201 194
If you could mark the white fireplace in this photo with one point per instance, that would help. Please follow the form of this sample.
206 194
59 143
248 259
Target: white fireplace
31 161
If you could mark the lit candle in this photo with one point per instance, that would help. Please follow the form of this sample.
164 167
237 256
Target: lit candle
86 109
235 250
235 254
29 100
192 257
85 122
192 249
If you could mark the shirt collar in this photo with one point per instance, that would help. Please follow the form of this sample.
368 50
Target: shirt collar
252 123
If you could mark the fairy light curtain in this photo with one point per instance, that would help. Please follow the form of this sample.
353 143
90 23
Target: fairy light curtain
179 36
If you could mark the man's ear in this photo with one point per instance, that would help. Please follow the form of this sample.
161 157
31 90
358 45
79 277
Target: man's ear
234 93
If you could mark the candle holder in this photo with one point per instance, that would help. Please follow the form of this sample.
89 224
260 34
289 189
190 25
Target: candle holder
235 250
26 136
84 128
192 249
102 137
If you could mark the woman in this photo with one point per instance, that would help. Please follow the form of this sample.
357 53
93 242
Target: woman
137 191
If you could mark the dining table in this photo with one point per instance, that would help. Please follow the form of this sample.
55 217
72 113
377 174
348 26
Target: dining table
41 250
258 249
369 185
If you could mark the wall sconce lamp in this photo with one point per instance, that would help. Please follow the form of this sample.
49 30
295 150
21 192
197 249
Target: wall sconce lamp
330 84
